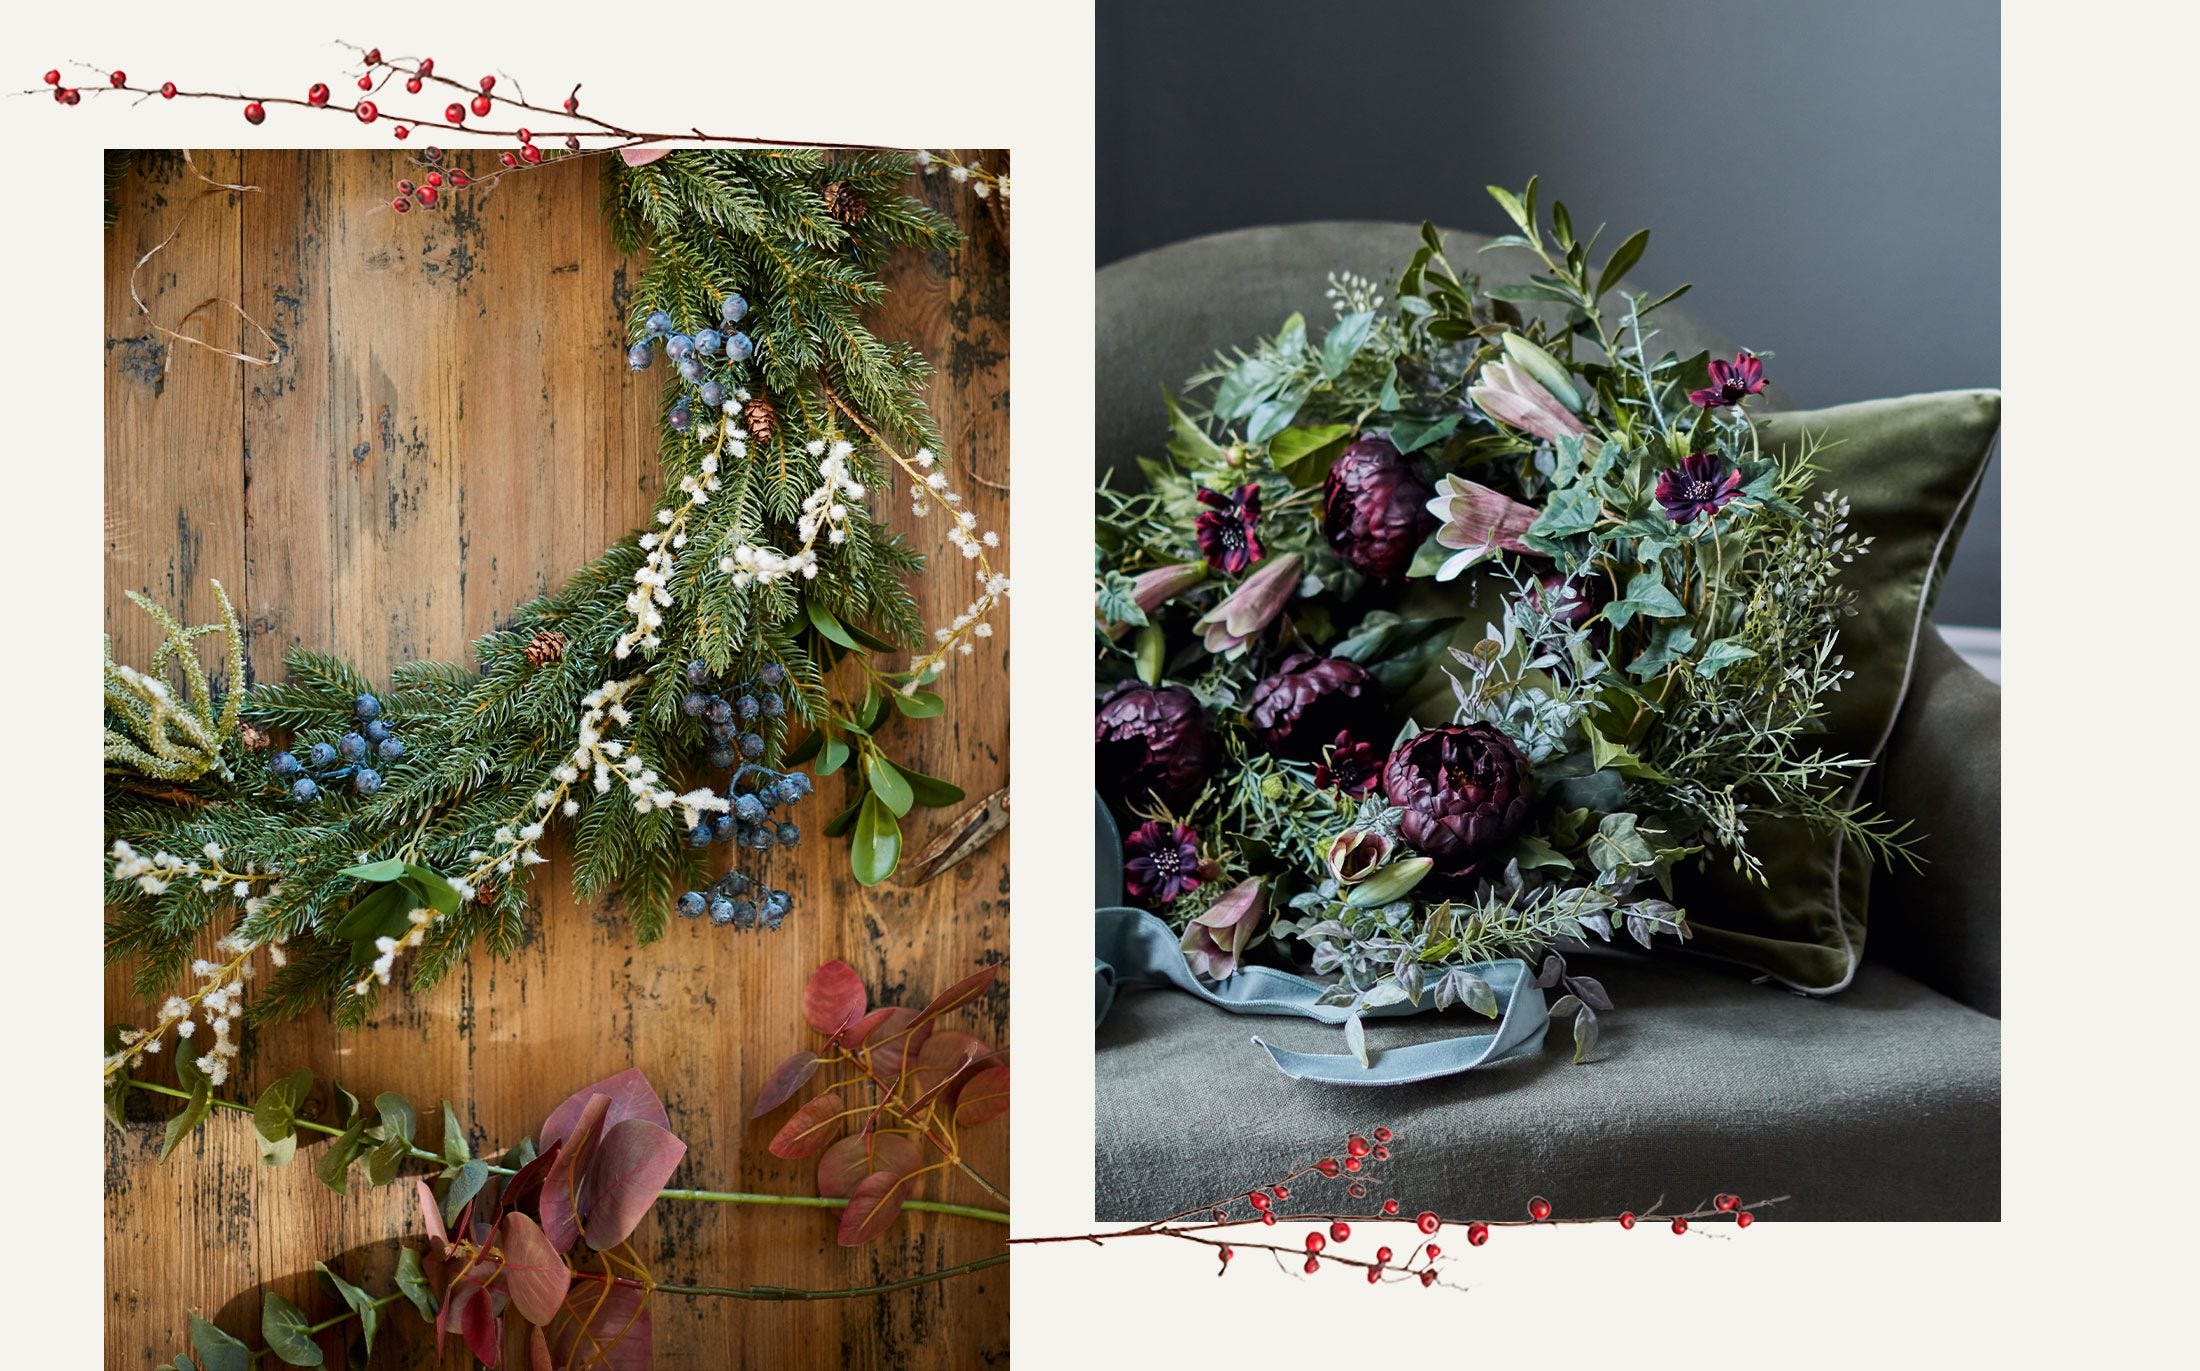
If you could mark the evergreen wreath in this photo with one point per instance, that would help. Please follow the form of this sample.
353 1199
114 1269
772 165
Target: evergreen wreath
340 825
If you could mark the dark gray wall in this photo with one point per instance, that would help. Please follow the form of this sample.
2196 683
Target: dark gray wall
1827 175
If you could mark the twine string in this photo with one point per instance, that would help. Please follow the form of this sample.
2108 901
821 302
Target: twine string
275 351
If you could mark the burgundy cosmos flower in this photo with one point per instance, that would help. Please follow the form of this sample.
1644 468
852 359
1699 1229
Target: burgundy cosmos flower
1702 484
1464 790
1228 529
1152 744
1731 382
1375 508
1349 764
1161 862
1303 704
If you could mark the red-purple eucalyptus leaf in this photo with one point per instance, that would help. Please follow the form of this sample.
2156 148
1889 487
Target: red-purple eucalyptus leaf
985 1098
813 1126
961 992
860 1032
561 1185
891 1044
431 1218
602 1329
633 1162
526 1185
631 1098
786 1078
873 1207
477 1323
538 1351
534 1274
834 998
943 1058
842 1167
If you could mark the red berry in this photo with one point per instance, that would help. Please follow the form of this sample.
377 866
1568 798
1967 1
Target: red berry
1428 1278
507 159
1680 1225
572 144
1257 1200
366 111
1434 1251
1744 1219
253 114
1374 1274
1627 1220
1427 1221
53 78
1477 1234
488 83
1340 1231
530 154
1382 1254
1351 1163
1226 1252
403 132
374 57
412 85
454 113
1283 1192
481 104
366 83
1382 1135
1313 1264
317 93
435 178
1314 1242
116 78
427 66
1356 1191
404 187
572 103
1382 1154
526 136
1390 1206
1327 1166
1726 1204
427 195
1356 1145
1539 1209
167 90
401 205
1268 1218
72 97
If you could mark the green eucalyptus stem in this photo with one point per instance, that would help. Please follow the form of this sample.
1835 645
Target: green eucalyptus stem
964 1211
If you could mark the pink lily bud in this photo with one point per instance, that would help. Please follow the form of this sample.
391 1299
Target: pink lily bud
1508 394
1152 589
1356 854
1478 522
1229 626
1215 943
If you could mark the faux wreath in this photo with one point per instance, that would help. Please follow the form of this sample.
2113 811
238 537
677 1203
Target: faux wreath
1441 640
338 826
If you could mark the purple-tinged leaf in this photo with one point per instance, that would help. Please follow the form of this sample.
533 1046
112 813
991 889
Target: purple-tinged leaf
431 1218
631 1098
892 1042
860 1032
813 1126
602 1329
477 1323
1585 1034
961 992
786 1078
632 1164
1591 991
1564 1005
873 1207
538 1351
834 998
535 1276
985 1098
526 1184
1553 968
943 1059
561 1185
842 1167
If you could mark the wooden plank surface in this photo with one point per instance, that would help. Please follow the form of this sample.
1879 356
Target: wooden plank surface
450 430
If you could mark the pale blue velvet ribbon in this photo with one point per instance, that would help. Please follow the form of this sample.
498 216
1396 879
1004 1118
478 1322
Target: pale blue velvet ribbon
1132 947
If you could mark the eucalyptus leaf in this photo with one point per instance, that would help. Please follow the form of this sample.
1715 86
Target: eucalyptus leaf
283 1328
360 1301
464 1186
218 1351
412 1282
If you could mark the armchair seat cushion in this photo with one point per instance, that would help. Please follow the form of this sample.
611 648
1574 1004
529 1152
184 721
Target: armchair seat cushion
1881 1103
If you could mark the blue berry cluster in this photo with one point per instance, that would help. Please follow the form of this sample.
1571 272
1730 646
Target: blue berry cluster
703 358
348 758
733 716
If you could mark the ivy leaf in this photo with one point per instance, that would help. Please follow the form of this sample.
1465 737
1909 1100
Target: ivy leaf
1411 435
888 785
1575 509
875 844
1667 645
1619 843
217 1350
361 1304
1721 655
412 1282
1611 756
283 1328
1646 595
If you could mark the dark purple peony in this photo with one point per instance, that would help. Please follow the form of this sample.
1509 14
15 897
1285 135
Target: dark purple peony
1160 862
1464 789
1228 529
1375 508
1731 382
1350 765
1297 709
1702 484
1152 744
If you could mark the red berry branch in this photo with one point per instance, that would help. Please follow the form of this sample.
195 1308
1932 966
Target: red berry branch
1327 1233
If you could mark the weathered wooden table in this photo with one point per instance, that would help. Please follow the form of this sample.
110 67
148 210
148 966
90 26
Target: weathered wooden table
450 430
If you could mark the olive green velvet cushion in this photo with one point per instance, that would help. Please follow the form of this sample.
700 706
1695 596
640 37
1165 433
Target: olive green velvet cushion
1910 468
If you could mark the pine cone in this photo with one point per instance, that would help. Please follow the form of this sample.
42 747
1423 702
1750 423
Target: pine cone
255 737
844 204
548 647
760 419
